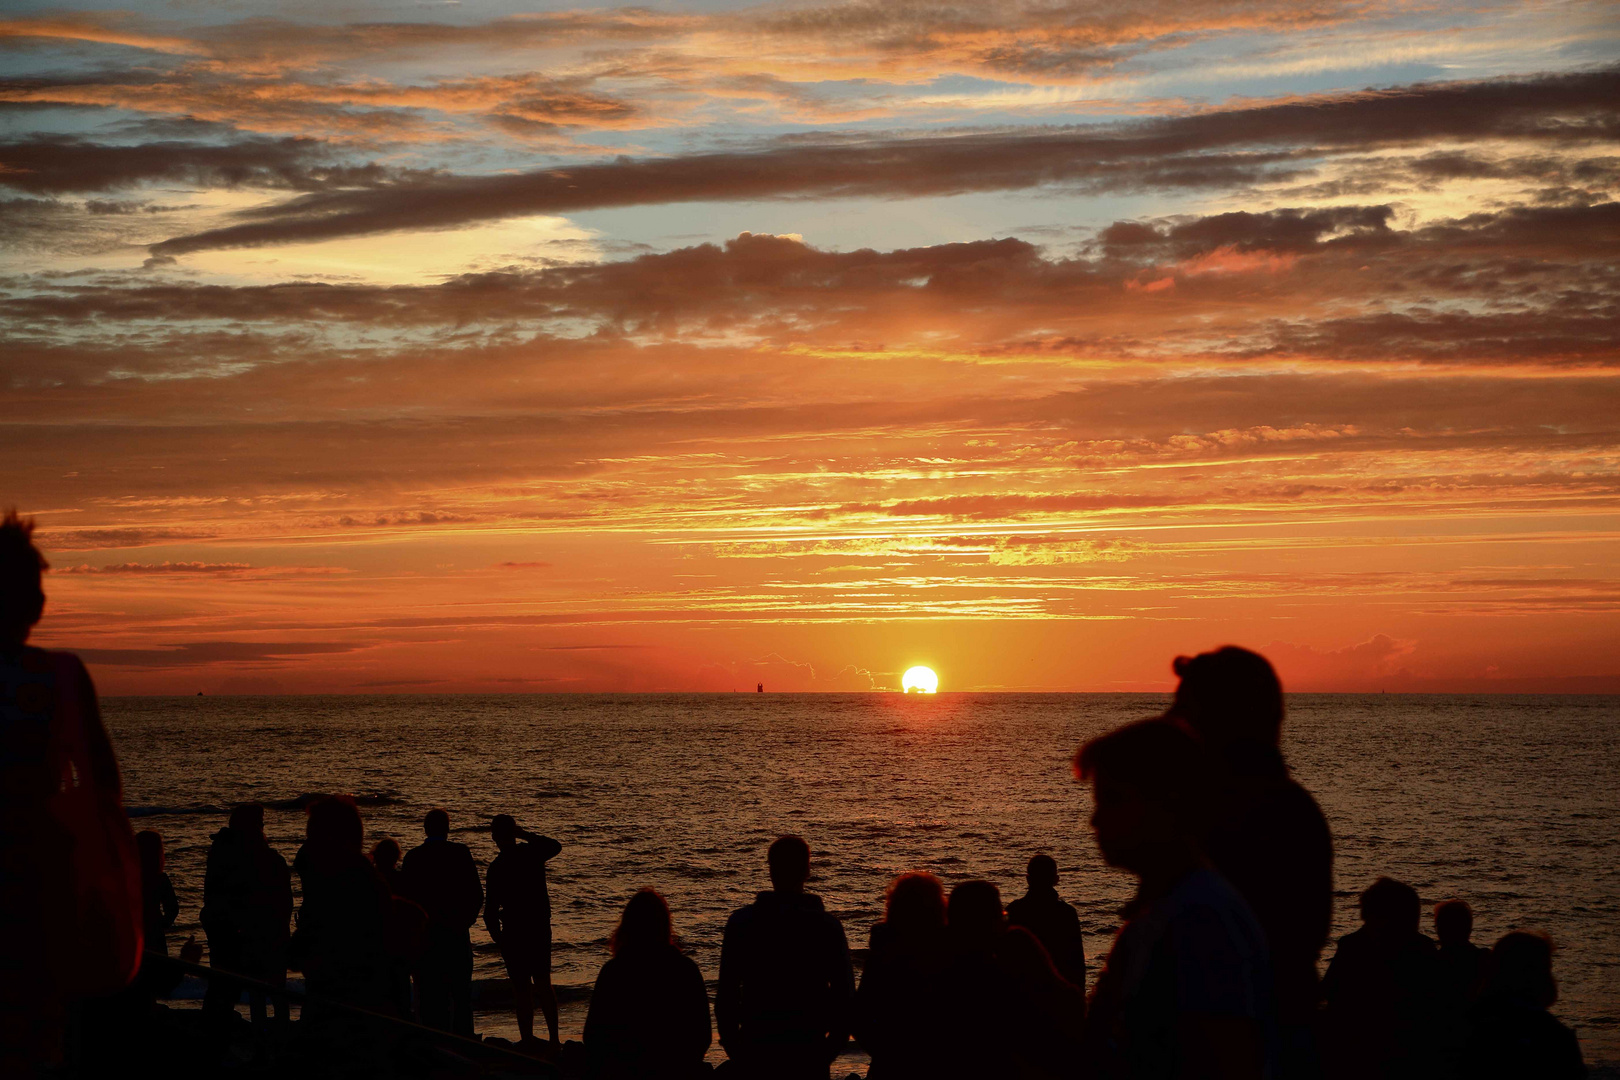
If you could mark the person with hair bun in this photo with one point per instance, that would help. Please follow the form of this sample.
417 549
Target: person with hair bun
649 1011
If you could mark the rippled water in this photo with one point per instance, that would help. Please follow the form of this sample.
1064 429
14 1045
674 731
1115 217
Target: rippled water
1508 802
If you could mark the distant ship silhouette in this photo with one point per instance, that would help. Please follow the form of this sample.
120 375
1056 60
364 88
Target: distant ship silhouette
760 689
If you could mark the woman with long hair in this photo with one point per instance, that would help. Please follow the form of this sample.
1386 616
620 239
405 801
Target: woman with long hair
649 1013
900 1010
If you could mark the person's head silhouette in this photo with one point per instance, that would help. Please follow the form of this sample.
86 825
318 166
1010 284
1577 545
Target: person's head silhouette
1391 909
1229 695
385 853
22 594
1453 922
1150 785
503 830
334 826
976 917
149 846
1041 873
789 862
915 904
436 823
1521 967
247 819
644 925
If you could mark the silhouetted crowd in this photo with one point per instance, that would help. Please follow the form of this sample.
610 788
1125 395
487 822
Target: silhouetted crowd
1212 973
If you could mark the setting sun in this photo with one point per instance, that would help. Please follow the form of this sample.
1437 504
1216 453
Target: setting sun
919 680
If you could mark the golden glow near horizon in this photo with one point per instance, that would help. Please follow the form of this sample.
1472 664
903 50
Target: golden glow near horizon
919 680
347 351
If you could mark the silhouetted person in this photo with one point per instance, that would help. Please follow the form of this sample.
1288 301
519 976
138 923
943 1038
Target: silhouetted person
70 880
247 901
1186 989
1380 989
1053 920
160 907
1510 1031
341 942
1012 1014
1269 838
517 913
1459 977
900 1016
783 1001
385 857
649 1013
441 876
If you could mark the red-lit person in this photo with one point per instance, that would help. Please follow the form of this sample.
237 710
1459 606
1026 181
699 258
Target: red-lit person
70 879
517 913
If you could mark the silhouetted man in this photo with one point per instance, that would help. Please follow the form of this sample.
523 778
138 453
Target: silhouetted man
1380 990
247 902
441 876
1052 920
517 912
1268 837
1186 990
783 1003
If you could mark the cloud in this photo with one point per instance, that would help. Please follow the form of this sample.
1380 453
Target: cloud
156 568
1216 149
202 653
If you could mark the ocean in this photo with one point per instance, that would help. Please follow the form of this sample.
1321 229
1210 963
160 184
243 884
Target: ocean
1511 803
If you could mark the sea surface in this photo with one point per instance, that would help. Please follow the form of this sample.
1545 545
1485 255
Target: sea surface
1512 803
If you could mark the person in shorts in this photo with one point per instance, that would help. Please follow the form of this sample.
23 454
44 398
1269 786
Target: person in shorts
517 913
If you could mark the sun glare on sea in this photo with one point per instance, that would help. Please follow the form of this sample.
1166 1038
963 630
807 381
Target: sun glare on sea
919 680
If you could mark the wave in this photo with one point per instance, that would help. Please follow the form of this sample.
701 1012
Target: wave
297 802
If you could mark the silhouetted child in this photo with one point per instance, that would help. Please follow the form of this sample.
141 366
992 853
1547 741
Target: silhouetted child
649 1013
1510 1032
160 909
385 857
517 913
1186 989
1269 838
783 1001
1380 988
70 878
247 901
440 875
901 1015
1459 978
1012 1013
1053 920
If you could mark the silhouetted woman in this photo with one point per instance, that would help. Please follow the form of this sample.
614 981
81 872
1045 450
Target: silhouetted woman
1511 1033
340 942
70 881
649 1013
899 1009
1012 1013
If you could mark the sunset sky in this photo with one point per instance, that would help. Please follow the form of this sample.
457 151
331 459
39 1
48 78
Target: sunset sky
470 346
